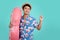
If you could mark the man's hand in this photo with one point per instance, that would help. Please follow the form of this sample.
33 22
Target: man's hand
40 23
41 18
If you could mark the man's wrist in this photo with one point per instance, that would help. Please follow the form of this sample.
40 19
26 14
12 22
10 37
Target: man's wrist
40 20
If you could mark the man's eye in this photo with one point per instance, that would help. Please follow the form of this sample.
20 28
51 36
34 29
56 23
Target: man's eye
29 9
25 8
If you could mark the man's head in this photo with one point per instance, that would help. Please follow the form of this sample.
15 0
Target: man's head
26 8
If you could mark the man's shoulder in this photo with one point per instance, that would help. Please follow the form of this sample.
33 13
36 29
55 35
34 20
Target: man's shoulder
32 17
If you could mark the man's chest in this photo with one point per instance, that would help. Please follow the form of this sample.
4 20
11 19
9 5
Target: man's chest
26 24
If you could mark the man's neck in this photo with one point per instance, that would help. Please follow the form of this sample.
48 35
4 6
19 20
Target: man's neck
25 16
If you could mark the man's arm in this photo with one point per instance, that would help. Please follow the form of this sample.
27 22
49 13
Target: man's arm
40 23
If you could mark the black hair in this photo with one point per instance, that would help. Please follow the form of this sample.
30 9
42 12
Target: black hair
26 5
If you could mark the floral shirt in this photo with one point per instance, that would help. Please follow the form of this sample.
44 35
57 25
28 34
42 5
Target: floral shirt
27 28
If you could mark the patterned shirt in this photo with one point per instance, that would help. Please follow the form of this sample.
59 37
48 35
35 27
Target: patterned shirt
27 28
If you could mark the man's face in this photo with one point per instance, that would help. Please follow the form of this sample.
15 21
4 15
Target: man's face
26 10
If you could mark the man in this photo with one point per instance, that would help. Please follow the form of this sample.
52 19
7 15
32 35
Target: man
28 23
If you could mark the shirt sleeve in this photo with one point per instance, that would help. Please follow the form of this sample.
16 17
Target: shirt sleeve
35 23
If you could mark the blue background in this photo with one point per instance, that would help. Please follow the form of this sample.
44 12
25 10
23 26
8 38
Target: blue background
50 9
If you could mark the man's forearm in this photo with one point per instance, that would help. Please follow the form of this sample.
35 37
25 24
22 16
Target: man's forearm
39 25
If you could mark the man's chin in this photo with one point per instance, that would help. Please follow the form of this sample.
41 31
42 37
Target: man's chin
26 14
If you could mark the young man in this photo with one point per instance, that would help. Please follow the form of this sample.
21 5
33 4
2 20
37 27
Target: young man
28 23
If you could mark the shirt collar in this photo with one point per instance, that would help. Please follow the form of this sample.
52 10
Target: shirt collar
27 17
